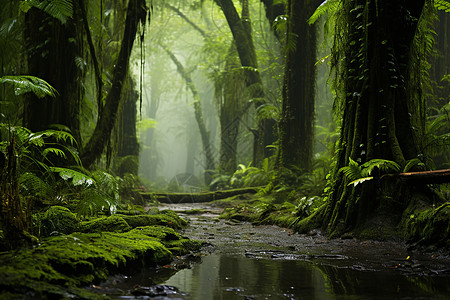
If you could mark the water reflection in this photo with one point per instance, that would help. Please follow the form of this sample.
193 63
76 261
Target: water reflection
237 277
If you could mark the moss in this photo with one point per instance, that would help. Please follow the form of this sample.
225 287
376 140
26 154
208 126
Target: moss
164 218
62 263
113 223
57 218
428 226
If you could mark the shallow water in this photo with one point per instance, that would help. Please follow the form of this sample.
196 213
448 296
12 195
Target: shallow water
267 262
238 277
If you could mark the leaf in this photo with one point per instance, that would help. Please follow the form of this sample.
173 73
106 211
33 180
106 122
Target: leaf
25 84
58 9
442 5
360 180
328 6
78 178
55 151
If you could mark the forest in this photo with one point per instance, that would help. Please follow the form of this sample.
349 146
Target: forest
316 116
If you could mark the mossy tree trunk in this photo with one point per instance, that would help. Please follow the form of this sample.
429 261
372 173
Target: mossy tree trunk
377 39
136 12
296 128
230 94
204 133
52 49
127 143
242 33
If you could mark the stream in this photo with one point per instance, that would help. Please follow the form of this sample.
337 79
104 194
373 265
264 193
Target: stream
242 261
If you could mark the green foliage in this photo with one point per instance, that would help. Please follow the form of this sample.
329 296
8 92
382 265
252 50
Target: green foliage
29 84
58 9
327 7
57 219
442 5
356 173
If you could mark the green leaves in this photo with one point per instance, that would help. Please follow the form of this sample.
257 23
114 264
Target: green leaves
58 9
442 5
327 6
25 84
357 174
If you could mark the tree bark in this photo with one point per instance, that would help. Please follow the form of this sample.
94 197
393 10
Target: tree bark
51 51
241 29
378 38
296 128
136 13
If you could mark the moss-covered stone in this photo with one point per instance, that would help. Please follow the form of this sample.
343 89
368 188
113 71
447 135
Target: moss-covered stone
60 264
113 223
164 218
57 219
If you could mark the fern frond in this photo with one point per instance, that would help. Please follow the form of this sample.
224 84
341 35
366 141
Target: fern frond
384 165
412 163
78 178
31 184
25 84
56 151
442 5
327 6
268 111
352 172
58 9
360 180
59 135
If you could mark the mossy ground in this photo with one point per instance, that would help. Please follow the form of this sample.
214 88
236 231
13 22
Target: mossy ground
421 224
59 265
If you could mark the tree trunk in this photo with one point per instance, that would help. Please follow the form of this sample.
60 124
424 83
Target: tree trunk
51 50
230 94
241 29
378 38
206 142
127 143
297 121
136 13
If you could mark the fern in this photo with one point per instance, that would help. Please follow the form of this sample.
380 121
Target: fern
328 6
384 165
25 84
58 9
352 172
442 5
77 178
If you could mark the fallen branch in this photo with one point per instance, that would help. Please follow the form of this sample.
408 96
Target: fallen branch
426 177
197 197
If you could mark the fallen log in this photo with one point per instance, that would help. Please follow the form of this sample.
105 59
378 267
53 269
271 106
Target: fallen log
197 197
426 177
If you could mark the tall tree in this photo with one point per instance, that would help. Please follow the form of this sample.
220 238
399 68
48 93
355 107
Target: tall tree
136 13
374 66
52 43
297 120
240 27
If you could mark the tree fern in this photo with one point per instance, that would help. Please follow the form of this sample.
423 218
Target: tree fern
25 84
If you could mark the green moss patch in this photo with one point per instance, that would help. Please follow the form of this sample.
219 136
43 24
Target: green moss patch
163 218
113 223
60 264
429 226
57 219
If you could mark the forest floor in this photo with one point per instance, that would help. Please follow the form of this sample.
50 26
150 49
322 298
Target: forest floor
270 241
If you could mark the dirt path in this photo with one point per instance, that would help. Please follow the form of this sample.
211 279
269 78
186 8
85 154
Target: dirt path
278 243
